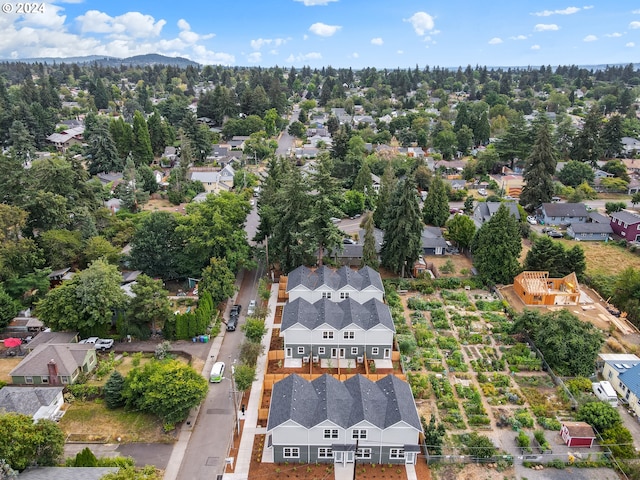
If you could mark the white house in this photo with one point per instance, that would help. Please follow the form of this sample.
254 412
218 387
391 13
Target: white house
326 420
335 285
623 372
329 329
37 402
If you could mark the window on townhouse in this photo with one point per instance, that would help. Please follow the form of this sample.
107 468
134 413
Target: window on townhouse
326 295
300 350
358 433
344 295
330 433
327 335
325 452
375 351
348 335
364 453
291 452
320 350
396 453
354 350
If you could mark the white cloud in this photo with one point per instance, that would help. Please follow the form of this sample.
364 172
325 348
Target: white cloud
314 3
183 24
613 35
254 57
303 57
324 30
421 22
258 43
377 41
535 47
519 37
495 41
128 25
587 7
634 24
630 45
400 52
566 11
590 38
546 27
636 12
354 55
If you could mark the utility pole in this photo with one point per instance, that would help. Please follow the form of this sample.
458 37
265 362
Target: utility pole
233 395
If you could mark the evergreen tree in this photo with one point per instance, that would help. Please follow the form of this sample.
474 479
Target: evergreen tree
113 392
540 167
22 142
141 150
403 229
612 136
515 143
363 182
588 143
387 186
369 253
436 206
496 248
158 134
103 152
122 136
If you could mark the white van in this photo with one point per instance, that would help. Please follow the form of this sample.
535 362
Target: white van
605 392
217 372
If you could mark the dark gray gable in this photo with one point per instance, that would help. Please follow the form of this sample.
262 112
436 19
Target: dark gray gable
565 210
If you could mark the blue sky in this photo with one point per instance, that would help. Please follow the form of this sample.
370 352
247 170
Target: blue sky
341 33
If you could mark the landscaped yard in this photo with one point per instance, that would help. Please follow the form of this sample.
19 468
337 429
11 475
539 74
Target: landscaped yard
91 421
6 365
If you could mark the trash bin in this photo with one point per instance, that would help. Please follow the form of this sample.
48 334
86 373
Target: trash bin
194 339
206 338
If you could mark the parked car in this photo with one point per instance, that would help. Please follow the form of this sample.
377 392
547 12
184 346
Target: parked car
482 192
232 323
235 310
532 220
90 340
251 308
348 241
554 233
104 344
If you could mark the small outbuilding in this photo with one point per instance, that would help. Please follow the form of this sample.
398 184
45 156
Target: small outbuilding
578 434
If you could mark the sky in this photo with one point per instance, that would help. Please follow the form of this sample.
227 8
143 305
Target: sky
340 33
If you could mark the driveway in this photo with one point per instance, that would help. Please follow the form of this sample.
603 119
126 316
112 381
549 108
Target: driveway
632 424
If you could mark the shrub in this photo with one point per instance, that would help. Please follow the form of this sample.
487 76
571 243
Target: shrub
523 440
84 391
85 458
113 391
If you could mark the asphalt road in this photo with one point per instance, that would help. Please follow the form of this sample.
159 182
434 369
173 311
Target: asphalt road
211 436
286 141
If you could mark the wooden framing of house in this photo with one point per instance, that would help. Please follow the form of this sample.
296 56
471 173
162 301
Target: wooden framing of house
536 288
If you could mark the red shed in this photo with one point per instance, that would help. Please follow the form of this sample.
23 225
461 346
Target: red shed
577 434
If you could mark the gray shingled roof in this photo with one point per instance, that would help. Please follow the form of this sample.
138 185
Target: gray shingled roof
308 403
334 279
68 357
489 209
27 400
626 217
336 314
591 228
565 209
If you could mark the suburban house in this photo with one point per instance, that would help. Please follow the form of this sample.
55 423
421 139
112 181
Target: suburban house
630 146
432 241
536 288
626 225
214 181
628 382
329 329
326 420
24 324
37 402
483 211
63 140
598 232
48 338
562 213
577 434
336 285
55 364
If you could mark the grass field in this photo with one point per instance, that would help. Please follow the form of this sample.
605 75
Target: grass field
92 421
6 365
605 258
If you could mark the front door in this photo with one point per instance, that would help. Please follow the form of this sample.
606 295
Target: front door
342 354
349 456
334 353
387 353
288 352
410 458
338 457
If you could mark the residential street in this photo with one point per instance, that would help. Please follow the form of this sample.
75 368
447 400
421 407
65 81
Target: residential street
211 435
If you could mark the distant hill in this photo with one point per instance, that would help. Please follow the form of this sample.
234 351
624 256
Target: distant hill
138 60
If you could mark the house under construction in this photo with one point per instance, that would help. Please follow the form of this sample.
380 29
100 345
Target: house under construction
536 288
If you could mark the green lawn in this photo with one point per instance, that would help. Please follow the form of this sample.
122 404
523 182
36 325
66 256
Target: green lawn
92 421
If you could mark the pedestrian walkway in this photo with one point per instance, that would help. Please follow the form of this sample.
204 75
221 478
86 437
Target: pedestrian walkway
343 471
177 454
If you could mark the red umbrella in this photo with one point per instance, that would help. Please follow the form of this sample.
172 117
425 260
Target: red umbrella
12 342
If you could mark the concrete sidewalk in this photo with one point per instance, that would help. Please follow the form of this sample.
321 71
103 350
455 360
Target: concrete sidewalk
250 428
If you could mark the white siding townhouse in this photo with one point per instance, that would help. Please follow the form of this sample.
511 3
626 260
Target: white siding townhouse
623 372
328 329
335 285
326 420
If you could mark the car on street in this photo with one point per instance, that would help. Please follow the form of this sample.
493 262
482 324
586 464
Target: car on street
532 220
217 372
554 233
235 310
104 344
251 308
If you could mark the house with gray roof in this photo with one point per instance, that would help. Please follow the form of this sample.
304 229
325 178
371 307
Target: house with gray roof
590 232
326 420
562 213
55 364
335 285
37 402
432 241
626 225
46 338
328 329
483 211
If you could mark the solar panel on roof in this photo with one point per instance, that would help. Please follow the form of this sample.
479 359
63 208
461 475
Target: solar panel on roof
618 365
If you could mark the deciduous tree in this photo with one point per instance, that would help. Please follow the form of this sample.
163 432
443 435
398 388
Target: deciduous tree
24 442
461 230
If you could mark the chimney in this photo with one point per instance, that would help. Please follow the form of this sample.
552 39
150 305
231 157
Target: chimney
52 366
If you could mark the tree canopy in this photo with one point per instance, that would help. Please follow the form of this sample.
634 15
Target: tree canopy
24 442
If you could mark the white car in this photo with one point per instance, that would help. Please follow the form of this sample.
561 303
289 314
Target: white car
251 308
532 220
482 192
